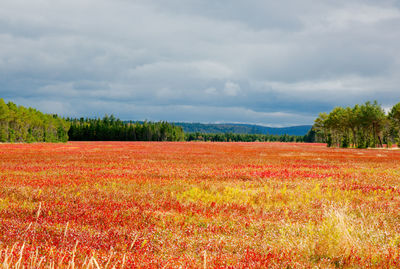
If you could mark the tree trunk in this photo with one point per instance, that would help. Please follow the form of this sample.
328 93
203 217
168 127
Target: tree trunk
380 141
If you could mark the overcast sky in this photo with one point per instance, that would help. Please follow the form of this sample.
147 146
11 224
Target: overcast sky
276 63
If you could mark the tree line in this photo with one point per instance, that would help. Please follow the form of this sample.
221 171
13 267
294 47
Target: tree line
110 128
20 124
231 137
361 126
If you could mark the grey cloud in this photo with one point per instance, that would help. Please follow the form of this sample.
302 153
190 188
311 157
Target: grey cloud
268 62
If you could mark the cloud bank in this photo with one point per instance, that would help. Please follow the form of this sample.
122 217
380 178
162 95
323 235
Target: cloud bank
267 62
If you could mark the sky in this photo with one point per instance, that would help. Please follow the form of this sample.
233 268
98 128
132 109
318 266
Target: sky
275 63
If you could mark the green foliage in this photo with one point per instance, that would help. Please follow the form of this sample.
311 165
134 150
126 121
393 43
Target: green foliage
319 128
394 123
20 124
4 119
362 126
112 129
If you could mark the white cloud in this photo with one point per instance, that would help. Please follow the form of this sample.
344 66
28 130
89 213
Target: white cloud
363 14
231 89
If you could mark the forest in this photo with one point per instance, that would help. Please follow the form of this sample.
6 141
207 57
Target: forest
232 137
236 128
20 124
361 126
112 129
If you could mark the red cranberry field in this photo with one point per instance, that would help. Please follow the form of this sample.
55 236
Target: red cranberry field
198 205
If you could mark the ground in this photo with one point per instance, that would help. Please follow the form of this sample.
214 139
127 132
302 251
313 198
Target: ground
142 204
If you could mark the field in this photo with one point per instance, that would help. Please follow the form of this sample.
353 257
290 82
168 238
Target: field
198 205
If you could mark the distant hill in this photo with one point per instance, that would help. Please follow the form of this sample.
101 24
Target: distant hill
242 128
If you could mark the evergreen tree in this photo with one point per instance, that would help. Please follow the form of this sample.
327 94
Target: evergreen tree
112 129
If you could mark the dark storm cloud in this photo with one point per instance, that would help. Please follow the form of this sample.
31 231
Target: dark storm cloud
268 62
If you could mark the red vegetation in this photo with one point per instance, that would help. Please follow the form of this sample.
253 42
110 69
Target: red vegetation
198 204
